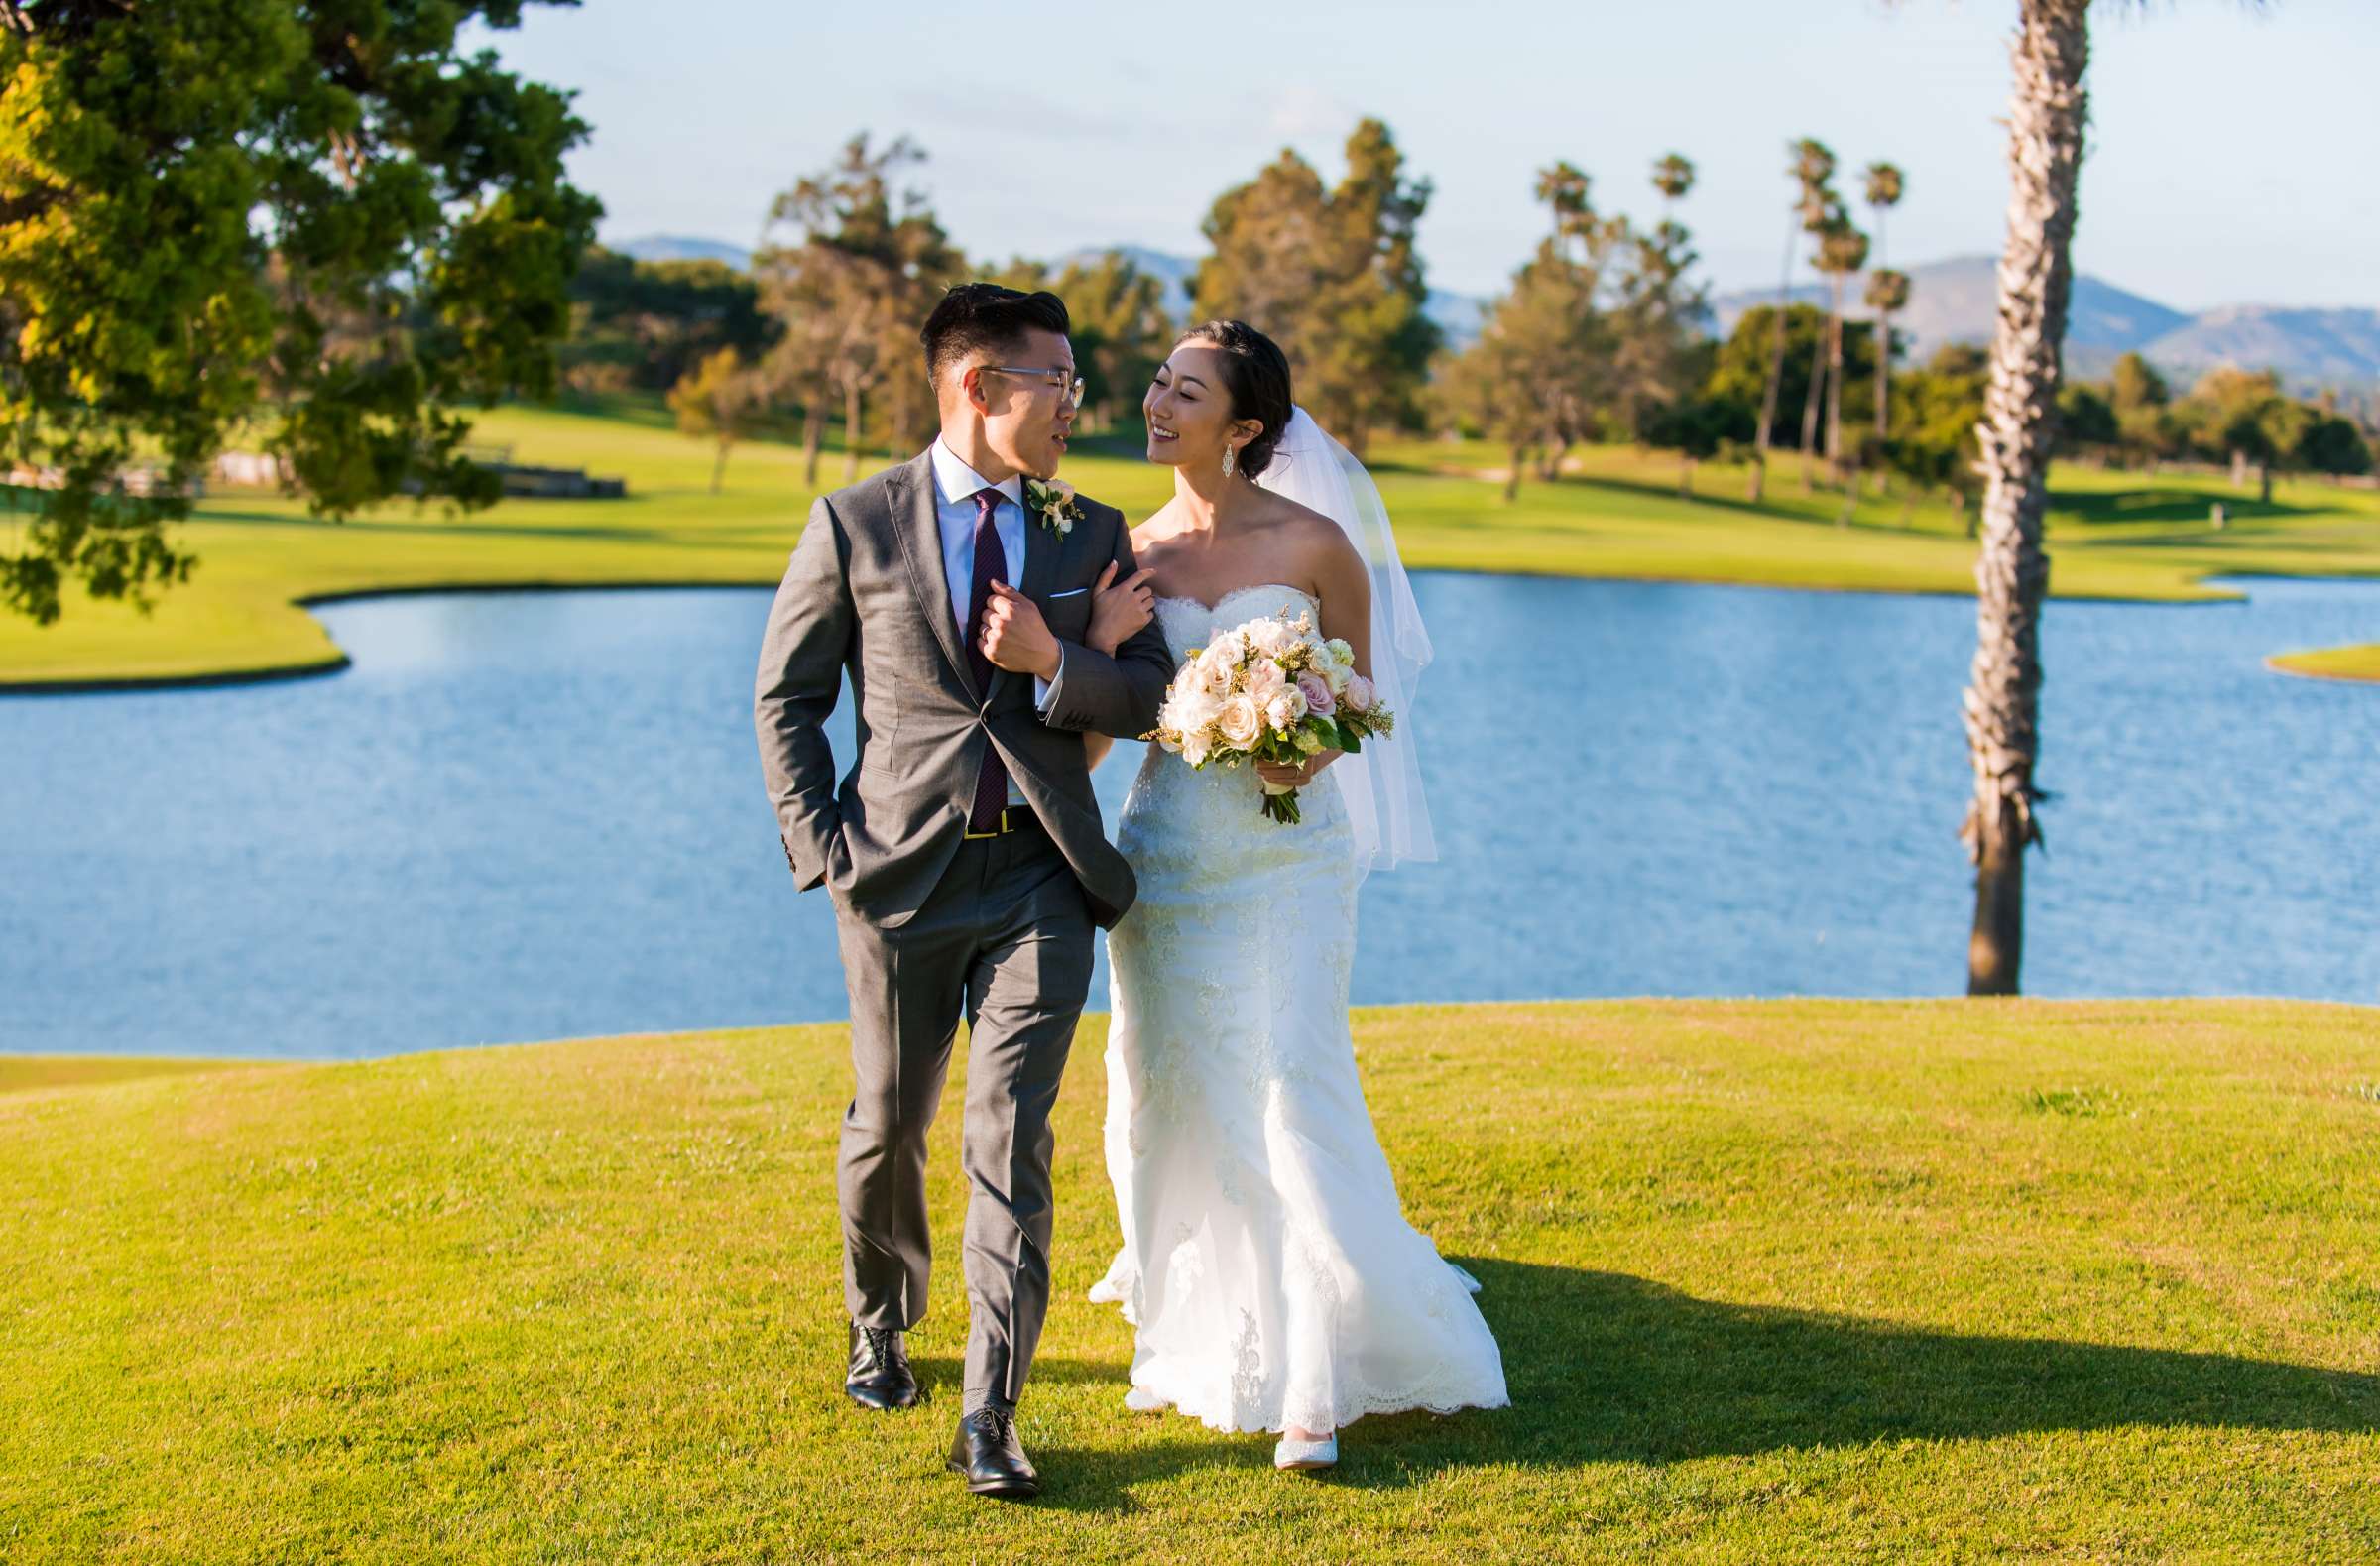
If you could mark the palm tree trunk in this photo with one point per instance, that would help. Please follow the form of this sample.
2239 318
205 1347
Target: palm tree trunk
813 434
719 469
1834 378
1776 373
1883 371
1812 404
2048 110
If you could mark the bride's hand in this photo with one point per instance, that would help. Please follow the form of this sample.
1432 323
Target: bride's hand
1119 609
1283 776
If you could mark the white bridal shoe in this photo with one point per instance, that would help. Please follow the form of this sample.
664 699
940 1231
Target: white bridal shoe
1289 1454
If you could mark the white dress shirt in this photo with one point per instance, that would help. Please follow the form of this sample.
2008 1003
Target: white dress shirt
955 488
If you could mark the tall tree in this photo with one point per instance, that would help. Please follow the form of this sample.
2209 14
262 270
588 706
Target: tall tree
859 271
1888 290
2048 111
1811 165
1540 372
1842 253
1822 216
321 215
1332 276
1660 315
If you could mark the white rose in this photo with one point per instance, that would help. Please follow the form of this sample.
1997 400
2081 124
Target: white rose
1340 652
1193 710
1336 675
1209 675
1269 636
1265 682
1285 709
1238 723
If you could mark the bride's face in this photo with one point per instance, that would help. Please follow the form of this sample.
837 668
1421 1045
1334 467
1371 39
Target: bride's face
1189 410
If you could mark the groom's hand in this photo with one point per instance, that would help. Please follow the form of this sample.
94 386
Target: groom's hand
1015 638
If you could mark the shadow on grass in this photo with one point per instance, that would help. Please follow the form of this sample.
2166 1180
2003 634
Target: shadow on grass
1604 1368
2164 505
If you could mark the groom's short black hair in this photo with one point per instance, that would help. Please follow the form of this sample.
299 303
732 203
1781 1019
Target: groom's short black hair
984 317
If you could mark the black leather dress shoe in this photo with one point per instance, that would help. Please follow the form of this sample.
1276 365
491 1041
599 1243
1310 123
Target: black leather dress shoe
984 1453
880 1375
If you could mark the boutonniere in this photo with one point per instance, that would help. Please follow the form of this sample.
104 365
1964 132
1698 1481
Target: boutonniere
1054 500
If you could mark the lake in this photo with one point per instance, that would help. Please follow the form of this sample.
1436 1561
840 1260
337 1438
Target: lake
538 816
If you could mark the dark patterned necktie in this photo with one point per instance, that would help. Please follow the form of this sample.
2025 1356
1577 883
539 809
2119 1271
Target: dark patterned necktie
991 566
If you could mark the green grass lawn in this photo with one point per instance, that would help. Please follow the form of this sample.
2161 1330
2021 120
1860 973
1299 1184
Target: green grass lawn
1774 1281
2361 661
1616 515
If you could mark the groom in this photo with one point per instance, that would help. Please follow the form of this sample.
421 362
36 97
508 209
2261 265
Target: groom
962 850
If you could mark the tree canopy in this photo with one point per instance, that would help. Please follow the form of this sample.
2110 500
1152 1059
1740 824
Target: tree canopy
320 214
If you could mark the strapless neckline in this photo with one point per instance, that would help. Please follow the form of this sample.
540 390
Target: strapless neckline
1236 592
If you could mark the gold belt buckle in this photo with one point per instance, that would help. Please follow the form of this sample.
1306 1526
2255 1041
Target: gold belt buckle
1002 830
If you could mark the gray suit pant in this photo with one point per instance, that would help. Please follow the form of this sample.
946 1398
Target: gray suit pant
1004 937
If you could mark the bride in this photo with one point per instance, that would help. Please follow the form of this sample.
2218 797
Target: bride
1267 1264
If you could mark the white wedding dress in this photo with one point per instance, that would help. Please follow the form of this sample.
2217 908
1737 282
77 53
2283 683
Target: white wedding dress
1266 1262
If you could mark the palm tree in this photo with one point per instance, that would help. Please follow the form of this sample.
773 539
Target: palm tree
1841 252
1887 290
1820 210
2047 109
1886 294
1836 241
1810 168
1673 177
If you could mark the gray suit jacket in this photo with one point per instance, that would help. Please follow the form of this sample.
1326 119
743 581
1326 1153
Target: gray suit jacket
864 593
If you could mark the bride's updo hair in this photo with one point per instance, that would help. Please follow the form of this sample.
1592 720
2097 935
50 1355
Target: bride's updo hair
1256 376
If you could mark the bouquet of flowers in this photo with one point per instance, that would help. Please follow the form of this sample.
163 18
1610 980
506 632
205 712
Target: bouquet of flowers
1269 690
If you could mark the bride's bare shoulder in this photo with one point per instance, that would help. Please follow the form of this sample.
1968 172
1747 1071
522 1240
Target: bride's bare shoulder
1313 536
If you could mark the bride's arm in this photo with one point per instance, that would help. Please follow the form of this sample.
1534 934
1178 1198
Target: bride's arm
1118 611
1346 614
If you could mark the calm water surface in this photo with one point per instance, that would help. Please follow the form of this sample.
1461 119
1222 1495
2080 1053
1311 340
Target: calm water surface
538 816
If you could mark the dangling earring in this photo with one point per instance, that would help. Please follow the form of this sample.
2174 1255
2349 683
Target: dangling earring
1231 460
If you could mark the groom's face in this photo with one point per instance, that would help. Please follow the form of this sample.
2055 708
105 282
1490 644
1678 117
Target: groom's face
1027 419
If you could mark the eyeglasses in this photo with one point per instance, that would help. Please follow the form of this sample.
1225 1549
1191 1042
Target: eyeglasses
1070 388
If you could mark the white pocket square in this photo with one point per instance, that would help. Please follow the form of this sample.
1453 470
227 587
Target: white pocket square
1068 593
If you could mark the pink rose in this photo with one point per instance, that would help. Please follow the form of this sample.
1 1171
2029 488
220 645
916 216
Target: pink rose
1317 691
1265 682
1357 694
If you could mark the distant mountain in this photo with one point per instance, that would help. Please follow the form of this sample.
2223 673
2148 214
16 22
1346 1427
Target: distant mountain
678 247
2323 347
1953 302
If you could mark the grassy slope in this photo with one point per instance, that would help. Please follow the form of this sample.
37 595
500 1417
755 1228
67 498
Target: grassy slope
2113 536
1801 1280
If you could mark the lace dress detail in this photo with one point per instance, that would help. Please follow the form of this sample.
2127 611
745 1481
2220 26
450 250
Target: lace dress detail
1266 1262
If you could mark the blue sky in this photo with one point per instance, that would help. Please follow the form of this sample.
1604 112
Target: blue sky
2230 160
